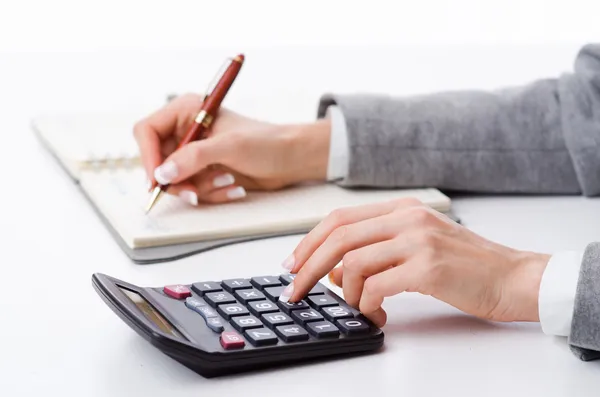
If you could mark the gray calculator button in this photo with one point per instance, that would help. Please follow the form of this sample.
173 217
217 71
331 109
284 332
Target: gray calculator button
336 312
215 324
206 312
194 303
219 298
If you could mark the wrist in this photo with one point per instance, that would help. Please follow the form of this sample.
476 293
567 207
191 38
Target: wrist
526 281
308 151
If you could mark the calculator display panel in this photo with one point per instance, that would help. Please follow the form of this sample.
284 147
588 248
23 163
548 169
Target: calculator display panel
151 313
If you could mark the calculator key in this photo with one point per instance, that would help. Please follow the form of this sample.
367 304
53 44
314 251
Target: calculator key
319 301
336 312
177 291
261 337
287 307
235 284
193 303
265 281
305 316
231 310
231 340
249 295
244 323
272 320
216 324
291 333
206 287
219 298
273 293
287 278
322 329
259 307
353 326
317 290
206 312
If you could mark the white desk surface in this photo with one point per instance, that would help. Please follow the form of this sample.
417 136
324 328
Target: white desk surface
58 338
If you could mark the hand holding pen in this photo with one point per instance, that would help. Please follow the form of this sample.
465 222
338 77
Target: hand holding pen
235 155
204 119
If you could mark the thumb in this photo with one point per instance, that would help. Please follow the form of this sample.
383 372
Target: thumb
191 159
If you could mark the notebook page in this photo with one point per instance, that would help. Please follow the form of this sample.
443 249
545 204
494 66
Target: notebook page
122 197
81 140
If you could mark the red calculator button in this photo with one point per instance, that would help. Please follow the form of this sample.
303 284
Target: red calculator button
231 340
177 291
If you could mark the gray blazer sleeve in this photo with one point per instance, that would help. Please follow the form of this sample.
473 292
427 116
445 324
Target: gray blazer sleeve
584 338
540 138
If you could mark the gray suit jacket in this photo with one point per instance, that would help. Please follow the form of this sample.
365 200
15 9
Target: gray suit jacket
541 138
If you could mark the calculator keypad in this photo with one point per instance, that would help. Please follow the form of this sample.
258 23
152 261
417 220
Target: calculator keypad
272 320
259 307
205 287
248 295
265 281
287 307
273 293
252 308
306 316
219 298
291 333
322 329
261 337
235 284
246 322
231 310
177 291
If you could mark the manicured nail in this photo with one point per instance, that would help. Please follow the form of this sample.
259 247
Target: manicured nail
223 180
236 193
189 197
165 173
287 293
288 263
331 280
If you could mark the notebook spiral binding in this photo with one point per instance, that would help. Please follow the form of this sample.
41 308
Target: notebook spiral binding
111 163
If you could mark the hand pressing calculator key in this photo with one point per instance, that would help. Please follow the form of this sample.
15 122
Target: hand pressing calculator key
223 327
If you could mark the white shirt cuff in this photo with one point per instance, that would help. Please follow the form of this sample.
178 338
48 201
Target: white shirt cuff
557 293
338 147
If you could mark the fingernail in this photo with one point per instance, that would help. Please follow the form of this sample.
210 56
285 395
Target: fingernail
189 197
331 280
236 193
288 263
165 173
286 294
223 180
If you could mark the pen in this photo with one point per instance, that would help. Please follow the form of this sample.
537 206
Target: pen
212 101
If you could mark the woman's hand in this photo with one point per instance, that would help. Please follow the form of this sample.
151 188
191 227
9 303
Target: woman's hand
399 246
239 153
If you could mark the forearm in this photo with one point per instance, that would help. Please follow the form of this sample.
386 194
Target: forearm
584 338
539 138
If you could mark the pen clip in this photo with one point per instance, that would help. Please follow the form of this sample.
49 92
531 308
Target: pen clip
215 80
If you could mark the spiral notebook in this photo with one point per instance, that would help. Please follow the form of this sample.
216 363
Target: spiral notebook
101 155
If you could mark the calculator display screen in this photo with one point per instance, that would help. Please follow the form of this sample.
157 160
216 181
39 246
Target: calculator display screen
150 313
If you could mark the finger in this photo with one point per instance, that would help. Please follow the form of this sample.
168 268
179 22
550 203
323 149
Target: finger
342 240
336 276
388 283
224 195
341 217
365 262
194 158
378 317
150 131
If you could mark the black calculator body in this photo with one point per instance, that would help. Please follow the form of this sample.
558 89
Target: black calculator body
223 327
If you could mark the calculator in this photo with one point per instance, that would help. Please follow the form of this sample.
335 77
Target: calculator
223 327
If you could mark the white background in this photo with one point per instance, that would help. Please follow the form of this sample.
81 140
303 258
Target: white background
67 56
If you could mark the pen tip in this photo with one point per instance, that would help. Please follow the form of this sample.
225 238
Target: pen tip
154 198
239 58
